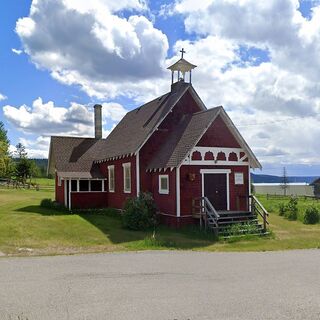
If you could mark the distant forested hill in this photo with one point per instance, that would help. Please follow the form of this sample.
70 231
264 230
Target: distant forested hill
264 178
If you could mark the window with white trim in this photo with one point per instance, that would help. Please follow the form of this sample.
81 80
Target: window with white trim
127 177
163 184
111 178
238 178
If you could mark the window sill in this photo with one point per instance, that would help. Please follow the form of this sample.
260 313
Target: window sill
163 192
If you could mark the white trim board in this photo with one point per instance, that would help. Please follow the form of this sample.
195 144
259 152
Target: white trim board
217 171
214 163
178 190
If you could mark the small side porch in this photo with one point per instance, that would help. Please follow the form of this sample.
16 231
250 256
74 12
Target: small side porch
228 223
81 191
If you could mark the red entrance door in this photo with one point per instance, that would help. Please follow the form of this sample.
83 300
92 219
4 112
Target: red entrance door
215 189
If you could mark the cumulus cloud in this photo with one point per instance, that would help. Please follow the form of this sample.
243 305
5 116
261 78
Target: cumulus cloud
273 96
44 119
90 45
48 119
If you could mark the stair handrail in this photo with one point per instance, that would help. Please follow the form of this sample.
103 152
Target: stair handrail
207 211
258 206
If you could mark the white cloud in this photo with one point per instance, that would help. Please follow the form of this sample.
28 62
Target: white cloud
91 46
2 97
47 119
274 102
113 111
16 51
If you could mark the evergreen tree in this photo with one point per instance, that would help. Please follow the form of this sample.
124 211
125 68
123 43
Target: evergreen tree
284 181
5 159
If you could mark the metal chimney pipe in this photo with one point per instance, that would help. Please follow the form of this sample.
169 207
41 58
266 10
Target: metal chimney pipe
98 121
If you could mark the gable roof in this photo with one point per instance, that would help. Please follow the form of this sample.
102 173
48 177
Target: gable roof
138 125
188 133
74 157
183 139
69 155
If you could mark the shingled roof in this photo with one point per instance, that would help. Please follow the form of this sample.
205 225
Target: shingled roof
183 138
137 125
72 156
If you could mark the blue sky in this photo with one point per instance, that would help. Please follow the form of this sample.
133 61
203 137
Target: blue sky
259 60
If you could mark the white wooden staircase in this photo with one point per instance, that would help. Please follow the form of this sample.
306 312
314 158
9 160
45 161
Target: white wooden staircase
231 223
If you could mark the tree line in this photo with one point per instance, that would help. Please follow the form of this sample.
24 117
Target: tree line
16 165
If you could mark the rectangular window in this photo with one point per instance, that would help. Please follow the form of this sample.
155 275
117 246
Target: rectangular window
111 178
96 185
59 181
127 177
164 184
84 185
74 185
238 178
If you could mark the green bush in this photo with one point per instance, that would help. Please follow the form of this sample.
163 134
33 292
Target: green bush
49 204
282 209
46 203
292 209
140 212
311 215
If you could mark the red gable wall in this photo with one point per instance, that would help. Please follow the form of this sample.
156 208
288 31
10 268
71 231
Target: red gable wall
117 199
218 135
186 105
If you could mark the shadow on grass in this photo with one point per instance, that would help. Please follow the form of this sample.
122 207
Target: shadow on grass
109 223
43 211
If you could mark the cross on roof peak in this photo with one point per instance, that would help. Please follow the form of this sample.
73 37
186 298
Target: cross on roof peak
182 52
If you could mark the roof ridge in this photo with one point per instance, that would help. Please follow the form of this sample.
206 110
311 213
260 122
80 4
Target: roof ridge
209 110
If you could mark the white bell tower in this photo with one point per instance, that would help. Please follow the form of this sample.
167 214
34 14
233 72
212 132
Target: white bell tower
182 67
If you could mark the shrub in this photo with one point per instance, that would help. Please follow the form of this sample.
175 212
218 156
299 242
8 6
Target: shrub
49 204
292 209
46 203
140 212
282 209
311 215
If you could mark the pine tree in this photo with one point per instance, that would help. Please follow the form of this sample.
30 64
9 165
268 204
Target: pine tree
284 181
5 159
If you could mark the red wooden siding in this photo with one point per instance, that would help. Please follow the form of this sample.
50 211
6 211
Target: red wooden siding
166 202
59 191
86 200
218 135
117 198
185 106
193 189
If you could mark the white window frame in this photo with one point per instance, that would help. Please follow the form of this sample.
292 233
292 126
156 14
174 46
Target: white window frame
239 178
163 191
126 166
109 179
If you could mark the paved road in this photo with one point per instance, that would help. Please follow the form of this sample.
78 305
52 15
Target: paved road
162 285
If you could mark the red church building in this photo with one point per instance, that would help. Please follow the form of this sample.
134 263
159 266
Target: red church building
173 147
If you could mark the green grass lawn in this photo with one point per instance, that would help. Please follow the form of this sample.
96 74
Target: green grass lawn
272 205
26 228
